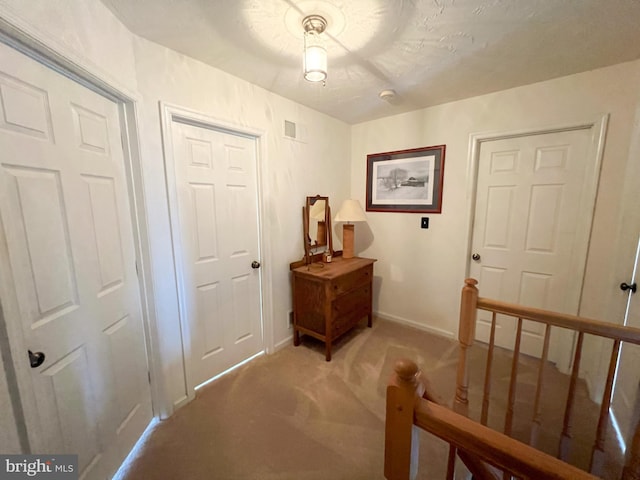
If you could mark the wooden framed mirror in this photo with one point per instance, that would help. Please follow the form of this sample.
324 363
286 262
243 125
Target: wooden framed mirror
316 220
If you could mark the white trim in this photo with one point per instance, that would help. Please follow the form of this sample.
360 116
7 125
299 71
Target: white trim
587 207
411 323
24 38
168 114
283 344
166 119
135 186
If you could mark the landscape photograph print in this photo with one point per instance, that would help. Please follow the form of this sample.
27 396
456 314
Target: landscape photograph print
406 180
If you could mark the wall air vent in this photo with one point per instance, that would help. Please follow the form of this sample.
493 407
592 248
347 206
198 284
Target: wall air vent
289 129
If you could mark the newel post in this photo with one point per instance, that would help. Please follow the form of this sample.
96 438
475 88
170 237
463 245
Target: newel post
466 336
401 436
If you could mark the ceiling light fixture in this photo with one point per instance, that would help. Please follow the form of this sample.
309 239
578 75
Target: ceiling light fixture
315 54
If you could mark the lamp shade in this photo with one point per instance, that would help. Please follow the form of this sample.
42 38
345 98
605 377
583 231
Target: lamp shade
351 212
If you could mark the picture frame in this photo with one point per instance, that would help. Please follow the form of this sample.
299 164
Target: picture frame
406 181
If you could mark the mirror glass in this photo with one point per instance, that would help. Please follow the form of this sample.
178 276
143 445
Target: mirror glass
317 226
317 223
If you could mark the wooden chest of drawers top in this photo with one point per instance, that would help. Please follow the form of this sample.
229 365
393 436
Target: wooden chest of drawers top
340 270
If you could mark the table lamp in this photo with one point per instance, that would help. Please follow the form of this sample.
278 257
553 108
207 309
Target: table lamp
350 212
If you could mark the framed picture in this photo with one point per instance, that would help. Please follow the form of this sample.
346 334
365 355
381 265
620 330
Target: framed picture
406 180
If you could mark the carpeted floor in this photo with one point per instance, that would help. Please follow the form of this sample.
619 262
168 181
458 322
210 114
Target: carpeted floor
292 415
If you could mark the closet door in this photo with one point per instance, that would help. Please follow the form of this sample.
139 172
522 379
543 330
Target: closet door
218 247
69 287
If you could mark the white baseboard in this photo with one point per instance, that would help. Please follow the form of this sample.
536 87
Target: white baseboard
283 343
420 326
385 316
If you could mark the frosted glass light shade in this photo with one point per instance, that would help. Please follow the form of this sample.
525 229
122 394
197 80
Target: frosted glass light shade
315 58
351 212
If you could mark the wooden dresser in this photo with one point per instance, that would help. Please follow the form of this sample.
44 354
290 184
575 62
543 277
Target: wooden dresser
331 298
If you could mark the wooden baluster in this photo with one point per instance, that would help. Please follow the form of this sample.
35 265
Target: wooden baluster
508 422
537 407
487 373
451 463
401 435
597 455
632 466
466 336
565 438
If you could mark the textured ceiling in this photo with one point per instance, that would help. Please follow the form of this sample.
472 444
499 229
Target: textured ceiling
428 51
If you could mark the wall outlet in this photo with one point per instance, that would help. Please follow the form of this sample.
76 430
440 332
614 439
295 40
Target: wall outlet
290 319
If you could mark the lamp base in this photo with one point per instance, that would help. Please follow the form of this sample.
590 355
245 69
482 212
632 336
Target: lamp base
347 240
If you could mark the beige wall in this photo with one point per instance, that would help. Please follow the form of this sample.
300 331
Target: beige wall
290 170
419 273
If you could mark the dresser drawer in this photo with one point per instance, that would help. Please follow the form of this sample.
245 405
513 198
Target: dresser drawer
357 299
345 322
350 308
352 280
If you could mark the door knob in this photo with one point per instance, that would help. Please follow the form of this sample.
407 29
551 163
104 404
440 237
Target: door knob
255 264
476 256
36 359
624 287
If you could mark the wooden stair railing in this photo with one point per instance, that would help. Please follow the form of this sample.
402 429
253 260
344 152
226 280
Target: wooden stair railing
408 410
471 302
474 440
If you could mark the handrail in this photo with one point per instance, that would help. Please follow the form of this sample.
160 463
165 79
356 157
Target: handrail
471 302
501 451
410 407
573 322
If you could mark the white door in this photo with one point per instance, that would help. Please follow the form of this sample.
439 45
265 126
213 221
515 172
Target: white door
528 242
217 214
625 407
69 286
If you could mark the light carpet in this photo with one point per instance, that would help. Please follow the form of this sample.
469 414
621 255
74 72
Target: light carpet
291 415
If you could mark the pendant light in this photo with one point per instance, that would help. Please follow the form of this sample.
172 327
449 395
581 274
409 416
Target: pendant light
315 53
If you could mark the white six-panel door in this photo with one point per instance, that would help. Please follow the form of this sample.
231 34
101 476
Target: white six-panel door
526 228
217 218
69 284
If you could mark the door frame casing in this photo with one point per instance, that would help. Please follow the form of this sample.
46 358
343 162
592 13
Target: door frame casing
598 126
17 35
170 113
